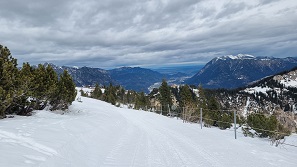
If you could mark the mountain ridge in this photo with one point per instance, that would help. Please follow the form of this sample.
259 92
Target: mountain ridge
236 71
131 78
221 72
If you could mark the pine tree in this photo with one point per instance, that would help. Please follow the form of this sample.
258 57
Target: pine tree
25 103
212 112
45 82
24 90
39 82
97 93
225 121
8 80
141 101
186 98
165 95
121 95
110 94
65 93
51 82
265 125
83 93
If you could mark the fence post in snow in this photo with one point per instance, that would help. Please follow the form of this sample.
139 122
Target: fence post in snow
235 124
201 117
183 115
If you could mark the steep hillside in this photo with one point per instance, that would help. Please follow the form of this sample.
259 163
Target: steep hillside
136 78
86 75
236 71
275 94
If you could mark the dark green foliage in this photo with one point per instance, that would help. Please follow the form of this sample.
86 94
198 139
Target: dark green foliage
141 101
45 82
97 93
214 116
24 90
225 121
165 95
8 80
39 81
121 95
65 93
186 96
83 93
52 83
211 114
110 94
265 126
22 105
131 96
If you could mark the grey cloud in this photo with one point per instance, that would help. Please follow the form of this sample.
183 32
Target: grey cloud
230 9
110 33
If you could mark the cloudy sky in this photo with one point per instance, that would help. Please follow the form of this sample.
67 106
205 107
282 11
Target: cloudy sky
114 33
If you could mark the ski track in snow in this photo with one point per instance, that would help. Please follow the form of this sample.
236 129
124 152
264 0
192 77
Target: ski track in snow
98 134
26 142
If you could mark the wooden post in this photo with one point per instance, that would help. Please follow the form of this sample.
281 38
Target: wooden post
201 117
235 124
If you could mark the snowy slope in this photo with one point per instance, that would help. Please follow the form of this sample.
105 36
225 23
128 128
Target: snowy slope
98 134
289 79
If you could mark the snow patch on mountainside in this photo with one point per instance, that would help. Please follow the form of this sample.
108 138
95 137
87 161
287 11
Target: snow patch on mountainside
288 80
257 89
245 110
289 83
239 56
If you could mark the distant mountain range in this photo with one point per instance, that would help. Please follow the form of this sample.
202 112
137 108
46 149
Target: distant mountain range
138 79
85 75
131 78
221 72
236 71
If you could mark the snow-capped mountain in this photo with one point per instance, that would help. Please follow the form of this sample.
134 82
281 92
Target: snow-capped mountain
239 56
236 71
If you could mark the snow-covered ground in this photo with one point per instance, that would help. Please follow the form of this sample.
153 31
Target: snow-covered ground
98 134
258 89
289 83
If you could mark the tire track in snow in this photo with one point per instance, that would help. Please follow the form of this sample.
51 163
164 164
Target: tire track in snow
115 153
165 146
159 145
128 144
211 160
136 151
165 140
